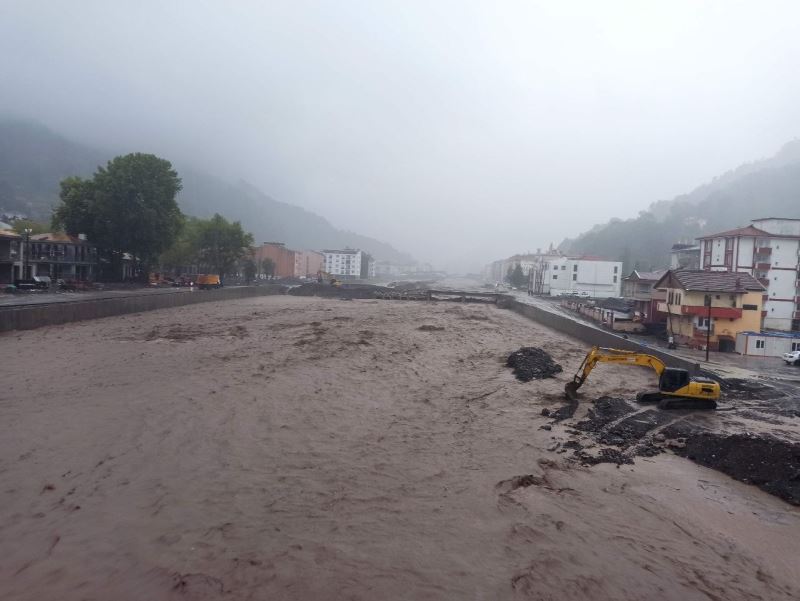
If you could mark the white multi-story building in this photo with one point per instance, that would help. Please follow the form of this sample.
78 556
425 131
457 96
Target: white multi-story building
768 249
349 264
585 276
498 270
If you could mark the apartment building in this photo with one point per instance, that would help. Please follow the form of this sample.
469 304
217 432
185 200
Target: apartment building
307 263
9 254
587 276
684 256
767 249
639 289
736 302
282 259
55 255
349 264
497 271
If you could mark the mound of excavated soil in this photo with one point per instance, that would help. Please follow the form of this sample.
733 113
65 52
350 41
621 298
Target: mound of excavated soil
626 429
771 463
532 363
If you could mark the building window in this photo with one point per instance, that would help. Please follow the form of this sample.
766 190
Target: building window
574 268
563 267
796 346
615 279
574 277
555 277
616 268
759 344
729 253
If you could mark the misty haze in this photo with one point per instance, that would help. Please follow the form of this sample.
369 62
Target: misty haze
399 300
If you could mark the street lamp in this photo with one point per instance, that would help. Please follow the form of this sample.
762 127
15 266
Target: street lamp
708 323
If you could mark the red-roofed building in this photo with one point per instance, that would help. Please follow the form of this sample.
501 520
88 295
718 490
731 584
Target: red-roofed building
767 249
735 306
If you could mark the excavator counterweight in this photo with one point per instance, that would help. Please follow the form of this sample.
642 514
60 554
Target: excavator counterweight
676 388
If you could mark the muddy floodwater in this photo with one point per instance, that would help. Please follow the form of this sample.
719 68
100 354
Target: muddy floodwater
305 448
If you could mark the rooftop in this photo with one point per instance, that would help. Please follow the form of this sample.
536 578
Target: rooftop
9 234
748 230
591 258
650 276
708 281
58 237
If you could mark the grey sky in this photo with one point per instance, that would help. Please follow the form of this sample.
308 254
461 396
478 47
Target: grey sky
459 131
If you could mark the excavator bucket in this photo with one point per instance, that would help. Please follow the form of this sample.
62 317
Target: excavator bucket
571 390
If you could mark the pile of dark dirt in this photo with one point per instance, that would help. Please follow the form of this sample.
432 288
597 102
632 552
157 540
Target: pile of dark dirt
605 410
532 363
564 412
430 328
769 462
624 429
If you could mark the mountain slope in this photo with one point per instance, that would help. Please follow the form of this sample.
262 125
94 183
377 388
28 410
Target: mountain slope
767 188
33 160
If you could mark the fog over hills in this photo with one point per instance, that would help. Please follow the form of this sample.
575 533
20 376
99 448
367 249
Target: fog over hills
34 159
764 188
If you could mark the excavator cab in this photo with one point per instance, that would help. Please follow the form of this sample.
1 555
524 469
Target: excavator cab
677 389
672 379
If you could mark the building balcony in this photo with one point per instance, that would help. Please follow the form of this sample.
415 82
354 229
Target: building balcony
702 332
764 250
62 260
718 312
765 266
764 282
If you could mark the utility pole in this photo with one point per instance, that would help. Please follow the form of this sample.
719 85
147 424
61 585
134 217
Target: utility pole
28 232
708 324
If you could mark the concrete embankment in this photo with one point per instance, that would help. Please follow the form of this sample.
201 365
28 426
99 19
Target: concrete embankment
28 317
591 335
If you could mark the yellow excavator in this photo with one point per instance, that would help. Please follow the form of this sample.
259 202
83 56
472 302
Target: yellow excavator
676 388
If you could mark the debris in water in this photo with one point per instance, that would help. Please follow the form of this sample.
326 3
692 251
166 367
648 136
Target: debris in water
532 363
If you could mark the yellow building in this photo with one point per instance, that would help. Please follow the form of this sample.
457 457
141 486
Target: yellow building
736 301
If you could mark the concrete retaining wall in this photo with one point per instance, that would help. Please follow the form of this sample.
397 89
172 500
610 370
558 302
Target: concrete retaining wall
28 317
593 336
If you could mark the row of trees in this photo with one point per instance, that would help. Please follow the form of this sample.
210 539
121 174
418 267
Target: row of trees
130 206
516 277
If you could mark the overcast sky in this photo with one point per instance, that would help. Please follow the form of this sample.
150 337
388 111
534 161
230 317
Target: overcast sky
459 131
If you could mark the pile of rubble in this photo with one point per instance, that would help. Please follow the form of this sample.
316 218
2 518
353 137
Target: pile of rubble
532 363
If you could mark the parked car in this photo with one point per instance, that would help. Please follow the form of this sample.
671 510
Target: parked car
792 358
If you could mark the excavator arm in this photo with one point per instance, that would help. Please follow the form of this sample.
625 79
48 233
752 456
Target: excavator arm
600 354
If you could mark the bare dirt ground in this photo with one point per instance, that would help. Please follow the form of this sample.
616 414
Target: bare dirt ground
302 448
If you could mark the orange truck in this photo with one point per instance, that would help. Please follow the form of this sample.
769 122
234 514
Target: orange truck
208 281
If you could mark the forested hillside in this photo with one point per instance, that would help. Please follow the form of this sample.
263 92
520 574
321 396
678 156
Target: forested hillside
33 160
767 188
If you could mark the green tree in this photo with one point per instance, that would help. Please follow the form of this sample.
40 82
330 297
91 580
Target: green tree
249 269
517 277
184 251
129 206
268 267
20 225
221 243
